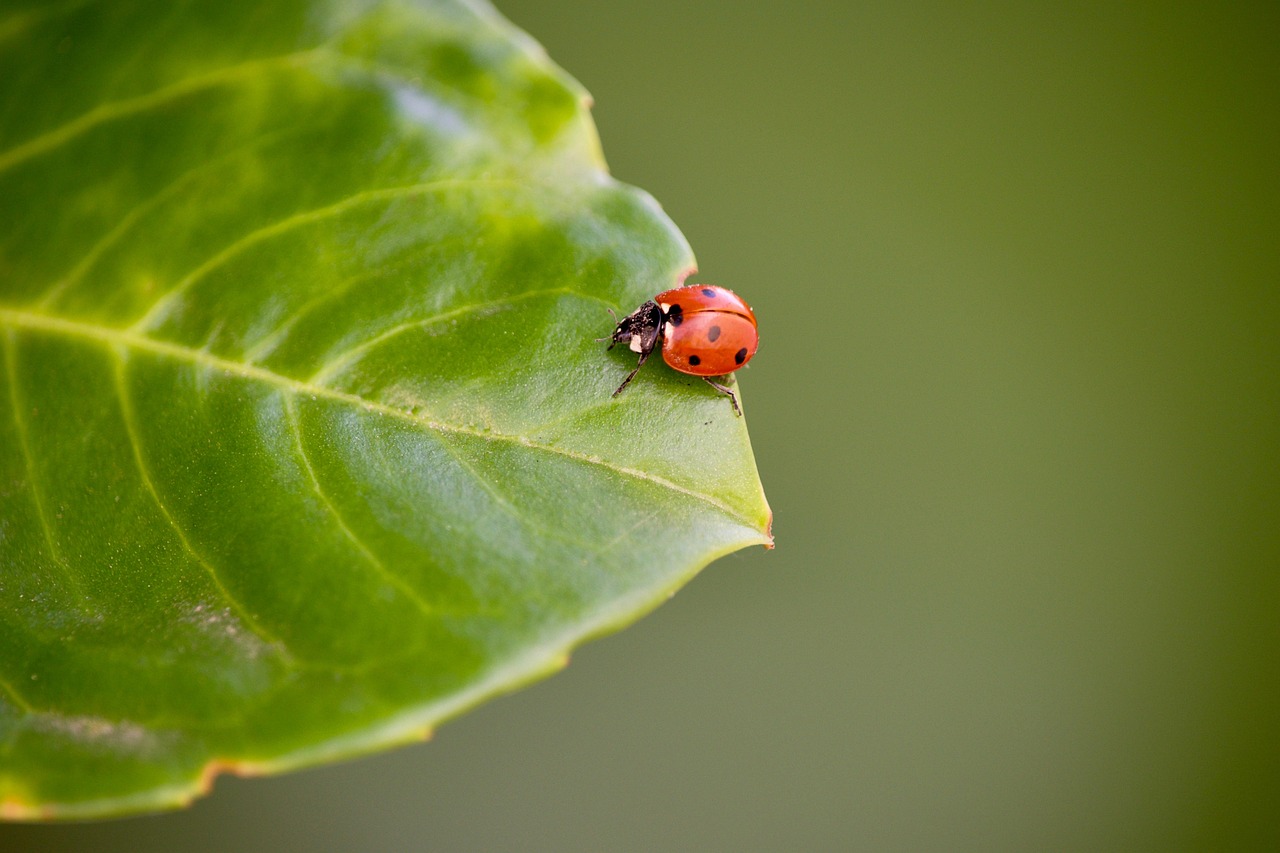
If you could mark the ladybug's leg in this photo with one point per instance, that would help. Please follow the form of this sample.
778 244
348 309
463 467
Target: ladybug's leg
643 355
723 390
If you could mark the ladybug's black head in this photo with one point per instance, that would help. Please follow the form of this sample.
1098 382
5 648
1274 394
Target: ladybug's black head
639 329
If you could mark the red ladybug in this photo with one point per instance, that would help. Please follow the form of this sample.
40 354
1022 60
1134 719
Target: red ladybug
705 331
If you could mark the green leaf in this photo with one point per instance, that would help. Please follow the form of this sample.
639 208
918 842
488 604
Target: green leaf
306 444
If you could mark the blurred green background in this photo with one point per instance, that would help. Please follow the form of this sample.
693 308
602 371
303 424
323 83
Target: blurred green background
1017 411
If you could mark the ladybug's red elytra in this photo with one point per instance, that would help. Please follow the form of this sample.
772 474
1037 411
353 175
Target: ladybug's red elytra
704 330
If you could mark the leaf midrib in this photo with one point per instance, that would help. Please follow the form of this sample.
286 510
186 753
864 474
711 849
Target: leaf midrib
28 320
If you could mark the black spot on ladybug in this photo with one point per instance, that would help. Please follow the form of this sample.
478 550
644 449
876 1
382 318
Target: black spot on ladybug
694 360
713 333
740 356
676 315
709 293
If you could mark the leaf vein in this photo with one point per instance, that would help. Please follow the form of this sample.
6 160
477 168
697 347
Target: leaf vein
24 445
111 110
291 417
135 442
337 362
130 218
505 504
133 340
268 342
158 309
18 699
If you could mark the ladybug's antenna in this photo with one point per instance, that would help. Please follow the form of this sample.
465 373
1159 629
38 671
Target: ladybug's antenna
615 322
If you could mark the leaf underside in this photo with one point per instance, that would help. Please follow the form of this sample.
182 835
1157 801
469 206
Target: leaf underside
306 443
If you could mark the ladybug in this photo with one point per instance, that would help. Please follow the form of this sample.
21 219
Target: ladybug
704 330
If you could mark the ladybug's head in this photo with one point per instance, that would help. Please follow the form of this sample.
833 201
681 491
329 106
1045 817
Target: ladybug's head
639 329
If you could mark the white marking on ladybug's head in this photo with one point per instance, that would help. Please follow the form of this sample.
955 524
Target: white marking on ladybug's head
667 327
635 343
664 306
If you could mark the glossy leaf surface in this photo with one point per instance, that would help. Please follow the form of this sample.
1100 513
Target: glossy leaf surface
306 443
